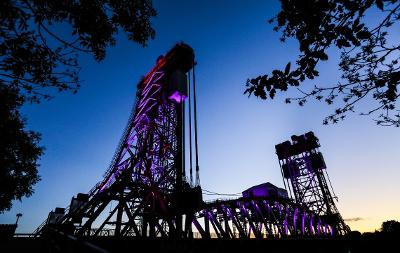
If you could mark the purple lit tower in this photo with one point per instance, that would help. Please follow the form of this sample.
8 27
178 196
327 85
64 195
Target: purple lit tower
143 190
305 177
146 191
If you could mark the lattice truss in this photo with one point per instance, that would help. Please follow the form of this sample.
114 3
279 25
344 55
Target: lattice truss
143 179
307 185
138 193
258 218
145 193
304 172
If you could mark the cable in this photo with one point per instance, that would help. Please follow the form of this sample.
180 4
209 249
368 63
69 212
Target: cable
207 192
190 131
195 124
215 194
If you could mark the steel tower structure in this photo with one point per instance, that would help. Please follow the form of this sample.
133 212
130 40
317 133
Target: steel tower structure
304 172
146 192
142 191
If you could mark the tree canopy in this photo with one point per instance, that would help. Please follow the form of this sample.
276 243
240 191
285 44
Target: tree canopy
40 40
369 60
391 226
19 151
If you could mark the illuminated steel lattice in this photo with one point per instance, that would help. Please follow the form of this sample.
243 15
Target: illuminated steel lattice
304 171
258 218
145 192
141 191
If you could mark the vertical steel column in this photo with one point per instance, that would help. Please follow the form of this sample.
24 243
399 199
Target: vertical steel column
183 139
119 214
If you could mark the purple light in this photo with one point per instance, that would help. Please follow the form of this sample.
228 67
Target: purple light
285 225
147 103
177 97
295 214
267 206
311 224
319 227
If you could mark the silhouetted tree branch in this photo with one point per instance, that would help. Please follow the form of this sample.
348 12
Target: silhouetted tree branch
19 151
39 45
369 63
35 59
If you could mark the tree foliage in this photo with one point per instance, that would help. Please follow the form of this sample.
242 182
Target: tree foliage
369 60
391 226
19 151
40 41
36 58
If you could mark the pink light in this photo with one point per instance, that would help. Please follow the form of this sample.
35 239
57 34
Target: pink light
177 97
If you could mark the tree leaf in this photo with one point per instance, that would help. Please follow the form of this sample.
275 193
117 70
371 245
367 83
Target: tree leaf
287 68
379 4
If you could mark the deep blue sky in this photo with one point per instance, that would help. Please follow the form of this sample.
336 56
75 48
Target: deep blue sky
232 41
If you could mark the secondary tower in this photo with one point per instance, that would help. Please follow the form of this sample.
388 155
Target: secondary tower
304 173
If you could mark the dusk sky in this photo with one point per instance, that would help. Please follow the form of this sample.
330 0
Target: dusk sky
232 42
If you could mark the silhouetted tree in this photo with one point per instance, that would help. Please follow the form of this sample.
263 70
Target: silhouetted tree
40 40
391 226
19 151
369 60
